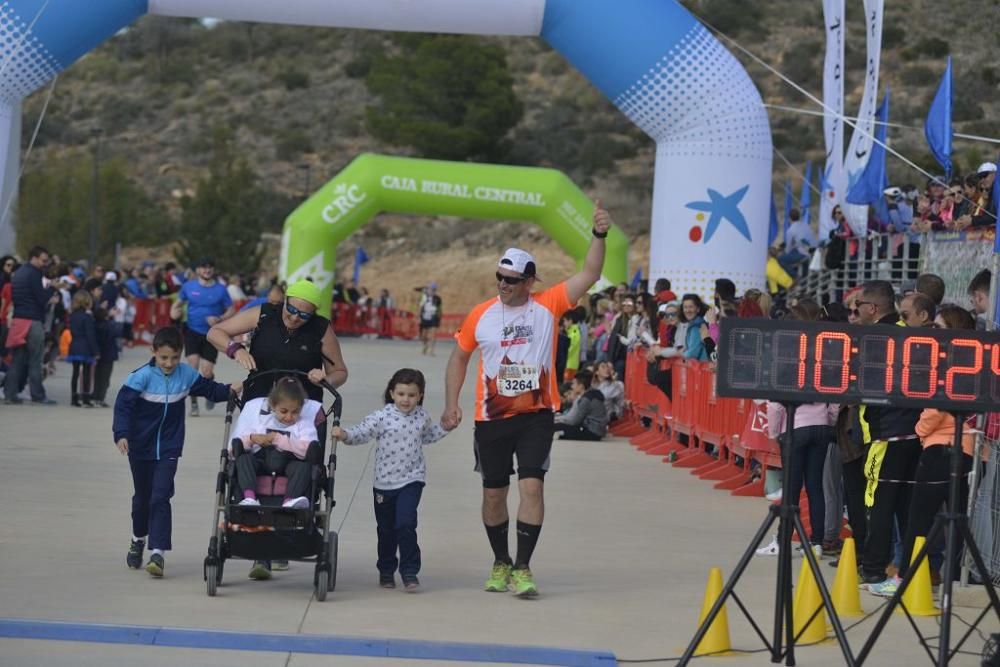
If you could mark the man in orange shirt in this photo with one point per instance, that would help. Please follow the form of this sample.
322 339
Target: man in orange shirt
516 396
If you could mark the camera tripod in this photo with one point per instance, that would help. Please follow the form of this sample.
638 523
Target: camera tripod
954 524
782 645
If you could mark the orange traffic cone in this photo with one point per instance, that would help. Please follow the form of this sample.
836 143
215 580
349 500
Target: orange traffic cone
845 593
716 640
807 601
918 599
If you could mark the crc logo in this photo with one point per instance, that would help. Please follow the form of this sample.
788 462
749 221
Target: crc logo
347 198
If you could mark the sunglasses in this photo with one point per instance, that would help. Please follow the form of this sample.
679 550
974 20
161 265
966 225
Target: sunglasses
671 313
510 280
302 315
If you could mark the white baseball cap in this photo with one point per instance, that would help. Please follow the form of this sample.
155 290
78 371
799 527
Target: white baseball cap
519 261
111 276
986 168
893 192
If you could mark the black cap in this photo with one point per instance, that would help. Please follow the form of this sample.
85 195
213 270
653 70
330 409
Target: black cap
205 261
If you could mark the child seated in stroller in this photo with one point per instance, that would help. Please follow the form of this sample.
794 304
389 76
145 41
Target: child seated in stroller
276 433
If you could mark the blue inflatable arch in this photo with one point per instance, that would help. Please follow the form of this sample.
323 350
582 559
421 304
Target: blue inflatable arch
662 68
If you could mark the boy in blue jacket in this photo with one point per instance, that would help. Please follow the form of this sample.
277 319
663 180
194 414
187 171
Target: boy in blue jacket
149 428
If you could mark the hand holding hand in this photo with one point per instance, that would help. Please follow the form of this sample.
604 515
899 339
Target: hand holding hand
602 219
245 359
451 418
122 446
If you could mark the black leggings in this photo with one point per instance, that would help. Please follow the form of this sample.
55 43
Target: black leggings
83 379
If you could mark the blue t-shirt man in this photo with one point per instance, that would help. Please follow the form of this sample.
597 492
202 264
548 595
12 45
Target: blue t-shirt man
204 302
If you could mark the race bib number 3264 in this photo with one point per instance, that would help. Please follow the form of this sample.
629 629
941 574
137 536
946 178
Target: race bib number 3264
517 379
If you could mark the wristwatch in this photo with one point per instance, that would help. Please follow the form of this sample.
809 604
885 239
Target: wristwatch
597 234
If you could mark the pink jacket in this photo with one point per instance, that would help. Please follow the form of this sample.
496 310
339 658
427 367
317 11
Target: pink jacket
810 414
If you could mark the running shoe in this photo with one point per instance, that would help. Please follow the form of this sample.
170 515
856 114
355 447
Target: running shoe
134 557
250 501
499 578
774 495
194 410
279 565
771 549
523 583
155 565
386 581
411 583
885 588
209 405
261 570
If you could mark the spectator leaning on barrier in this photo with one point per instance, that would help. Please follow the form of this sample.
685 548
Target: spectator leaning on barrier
692 314
985 210
893 448
31 301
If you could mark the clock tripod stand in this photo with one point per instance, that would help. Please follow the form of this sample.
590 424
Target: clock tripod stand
954 524
786 513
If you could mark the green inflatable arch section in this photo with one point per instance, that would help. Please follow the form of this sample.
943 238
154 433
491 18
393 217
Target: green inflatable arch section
373 184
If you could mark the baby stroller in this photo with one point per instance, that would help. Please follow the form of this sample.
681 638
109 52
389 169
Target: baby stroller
270 531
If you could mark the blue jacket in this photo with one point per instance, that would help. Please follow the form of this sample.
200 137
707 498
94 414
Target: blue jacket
107 342
31 299
694 348
84 332
149 410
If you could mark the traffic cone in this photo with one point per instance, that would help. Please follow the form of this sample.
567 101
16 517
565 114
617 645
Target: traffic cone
716 640
807 601
918 599
845 593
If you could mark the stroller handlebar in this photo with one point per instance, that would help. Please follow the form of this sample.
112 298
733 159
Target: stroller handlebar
335 409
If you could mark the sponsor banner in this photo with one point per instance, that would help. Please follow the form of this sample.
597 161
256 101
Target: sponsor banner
859 150
834 180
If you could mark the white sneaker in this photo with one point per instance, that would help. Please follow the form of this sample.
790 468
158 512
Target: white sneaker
771 549
299 503
774 495
250 501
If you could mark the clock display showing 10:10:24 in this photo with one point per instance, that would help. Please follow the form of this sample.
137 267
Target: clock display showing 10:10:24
816 362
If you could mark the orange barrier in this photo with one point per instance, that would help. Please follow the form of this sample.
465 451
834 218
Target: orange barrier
717 438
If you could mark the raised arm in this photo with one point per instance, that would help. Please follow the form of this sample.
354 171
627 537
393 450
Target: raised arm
454 378
578 284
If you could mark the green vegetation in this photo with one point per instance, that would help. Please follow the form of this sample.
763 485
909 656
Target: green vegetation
446 96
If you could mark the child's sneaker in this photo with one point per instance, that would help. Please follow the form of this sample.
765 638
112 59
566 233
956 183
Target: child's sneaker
499 577
411 583
134 557
209 405
300 503
386 581
250 501
279 565
523 583
155 565
261 570
194 410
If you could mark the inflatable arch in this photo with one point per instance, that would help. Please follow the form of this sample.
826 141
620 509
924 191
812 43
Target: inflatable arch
662 68
372 184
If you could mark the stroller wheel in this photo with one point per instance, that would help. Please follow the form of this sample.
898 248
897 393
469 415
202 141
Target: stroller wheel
213 573
322 583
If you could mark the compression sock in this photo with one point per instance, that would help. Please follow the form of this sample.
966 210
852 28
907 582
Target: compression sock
498 541
527 538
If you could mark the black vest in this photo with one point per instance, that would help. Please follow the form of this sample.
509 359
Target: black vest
275 347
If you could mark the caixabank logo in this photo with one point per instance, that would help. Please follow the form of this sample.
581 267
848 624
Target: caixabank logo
719 207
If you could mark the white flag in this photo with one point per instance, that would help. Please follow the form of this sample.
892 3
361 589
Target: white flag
859 149
834 179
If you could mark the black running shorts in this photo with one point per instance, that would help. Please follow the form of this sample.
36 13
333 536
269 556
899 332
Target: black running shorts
527 436
196 343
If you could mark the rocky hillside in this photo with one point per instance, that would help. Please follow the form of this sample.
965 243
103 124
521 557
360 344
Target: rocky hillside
296 98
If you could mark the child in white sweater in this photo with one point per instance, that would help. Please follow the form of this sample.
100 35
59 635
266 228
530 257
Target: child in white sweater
401 429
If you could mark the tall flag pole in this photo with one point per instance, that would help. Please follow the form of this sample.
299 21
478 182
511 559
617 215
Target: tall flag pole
805 198
833 178
860 147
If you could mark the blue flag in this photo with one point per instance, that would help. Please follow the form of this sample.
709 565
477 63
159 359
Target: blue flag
636 279
873 181
360 257
937 127
772 228
805 199
789 204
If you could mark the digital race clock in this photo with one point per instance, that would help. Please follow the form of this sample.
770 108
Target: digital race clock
818 362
